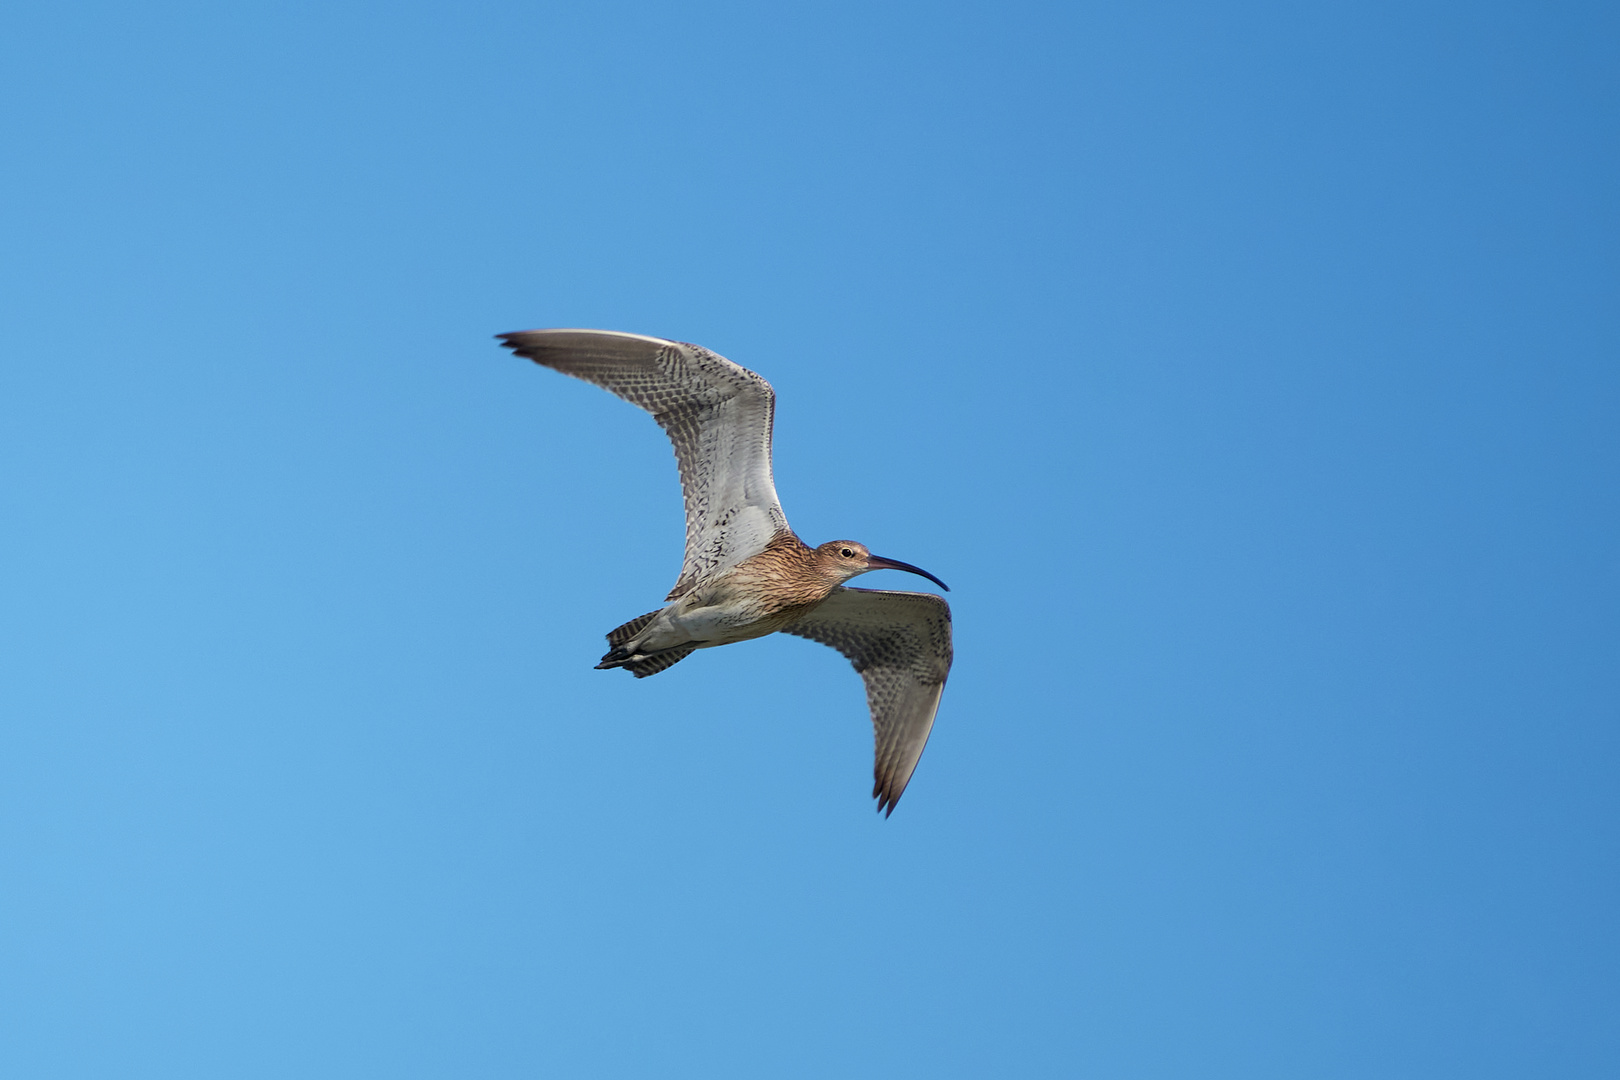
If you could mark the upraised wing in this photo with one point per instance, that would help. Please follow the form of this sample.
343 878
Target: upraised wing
718 415
900 642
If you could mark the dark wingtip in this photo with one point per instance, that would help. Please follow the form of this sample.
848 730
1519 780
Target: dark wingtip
886 800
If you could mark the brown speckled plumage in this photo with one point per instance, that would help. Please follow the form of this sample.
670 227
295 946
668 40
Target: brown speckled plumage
788 573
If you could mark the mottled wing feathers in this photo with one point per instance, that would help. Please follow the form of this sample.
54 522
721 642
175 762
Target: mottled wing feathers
716 413
900 642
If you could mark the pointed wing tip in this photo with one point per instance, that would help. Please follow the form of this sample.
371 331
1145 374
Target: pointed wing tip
560 347
887 798
512 340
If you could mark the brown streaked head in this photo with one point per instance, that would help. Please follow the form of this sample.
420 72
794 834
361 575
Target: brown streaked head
845 558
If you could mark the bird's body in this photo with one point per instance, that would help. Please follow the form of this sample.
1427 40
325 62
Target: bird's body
758 596
746 573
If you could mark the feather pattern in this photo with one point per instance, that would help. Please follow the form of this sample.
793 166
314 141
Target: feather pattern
716 413
900 642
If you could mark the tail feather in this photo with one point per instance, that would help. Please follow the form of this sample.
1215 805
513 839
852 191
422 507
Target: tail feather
643 664
652 665
619 635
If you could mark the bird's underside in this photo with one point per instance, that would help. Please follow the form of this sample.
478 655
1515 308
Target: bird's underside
745 574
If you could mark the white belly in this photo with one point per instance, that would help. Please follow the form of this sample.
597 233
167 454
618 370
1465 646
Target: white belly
707 621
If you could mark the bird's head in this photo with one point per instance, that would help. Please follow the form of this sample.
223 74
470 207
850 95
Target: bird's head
844 559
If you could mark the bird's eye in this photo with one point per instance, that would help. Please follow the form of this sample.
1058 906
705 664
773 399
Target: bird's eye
848 553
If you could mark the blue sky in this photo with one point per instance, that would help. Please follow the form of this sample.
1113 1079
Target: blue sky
1248 370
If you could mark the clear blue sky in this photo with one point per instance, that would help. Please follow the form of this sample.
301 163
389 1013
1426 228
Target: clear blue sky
1249 370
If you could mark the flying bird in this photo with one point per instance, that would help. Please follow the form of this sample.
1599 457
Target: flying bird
746 573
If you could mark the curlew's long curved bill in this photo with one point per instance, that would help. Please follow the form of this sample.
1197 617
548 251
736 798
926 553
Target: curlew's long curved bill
878 562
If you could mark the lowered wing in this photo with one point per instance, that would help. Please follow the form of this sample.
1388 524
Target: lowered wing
900 642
